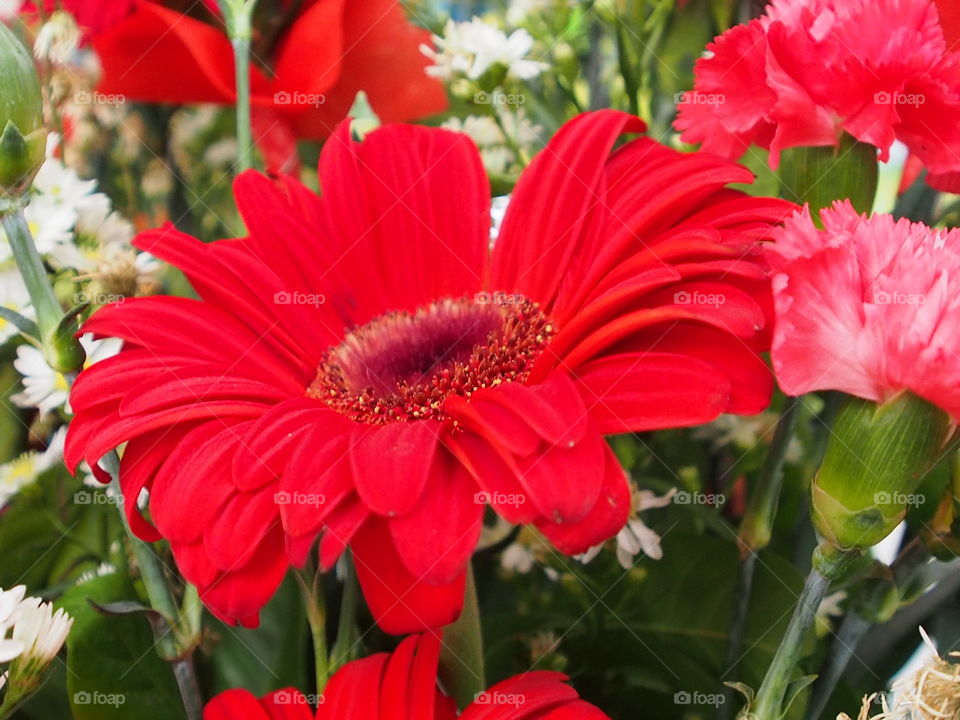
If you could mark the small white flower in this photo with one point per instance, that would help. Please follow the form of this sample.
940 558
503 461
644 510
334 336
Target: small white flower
635 537
107 228
471 48
9 602
498 209
43 387
41 630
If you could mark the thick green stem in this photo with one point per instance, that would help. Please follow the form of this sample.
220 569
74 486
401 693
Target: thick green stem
317 618
238 15
31 269
769 702
461 658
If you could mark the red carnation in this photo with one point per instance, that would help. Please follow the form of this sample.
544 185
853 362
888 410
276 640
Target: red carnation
809 69
403 684
362 366
309 64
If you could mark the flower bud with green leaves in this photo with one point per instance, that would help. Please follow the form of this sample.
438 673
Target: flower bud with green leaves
23 136
875 460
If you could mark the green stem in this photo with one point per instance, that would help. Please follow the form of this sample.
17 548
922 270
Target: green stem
238 15
343 647
31 269
755 532
161 599
461 657
769 702
317 617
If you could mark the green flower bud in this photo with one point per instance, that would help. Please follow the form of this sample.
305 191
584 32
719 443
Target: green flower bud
23 137
875 460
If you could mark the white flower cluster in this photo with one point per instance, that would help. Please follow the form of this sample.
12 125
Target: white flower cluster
31 635
635 537
469 49
489 138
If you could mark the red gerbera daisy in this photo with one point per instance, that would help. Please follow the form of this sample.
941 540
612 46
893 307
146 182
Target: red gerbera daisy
403 684
311 58
363 366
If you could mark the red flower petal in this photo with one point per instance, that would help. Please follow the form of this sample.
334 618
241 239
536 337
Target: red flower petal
391 464
437 537
547 220
400 602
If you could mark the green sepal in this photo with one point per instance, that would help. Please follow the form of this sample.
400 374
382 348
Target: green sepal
875 460
61 348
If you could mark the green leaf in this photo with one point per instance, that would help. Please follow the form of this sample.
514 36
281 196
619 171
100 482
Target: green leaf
113 670
24 325
271 656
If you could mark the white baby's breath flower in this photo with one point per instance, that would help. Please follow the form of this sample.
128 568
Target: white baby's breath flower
43 387
471 48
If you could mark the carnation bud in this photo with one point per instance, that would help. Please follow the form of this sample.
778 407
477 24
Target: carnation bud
23 138
876 457
821 175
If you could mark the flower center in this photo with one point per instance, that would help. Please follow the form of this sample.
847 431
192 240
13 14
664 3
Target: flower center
401 366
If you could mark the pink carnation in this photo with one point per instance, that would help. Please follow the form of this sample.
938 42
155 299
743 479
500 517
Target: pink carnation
809 69
867 306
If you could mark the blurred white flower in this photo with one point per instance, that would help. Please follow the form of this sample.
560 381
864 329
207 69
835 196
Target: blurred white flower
24 470
43 387
520 10
58 39
471 48
518 558
13 296
490 140
498 208
9 10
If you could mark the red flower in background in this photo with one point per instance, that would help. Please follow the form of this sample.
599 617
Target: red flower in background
403 684
809 69
311 58
362 366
